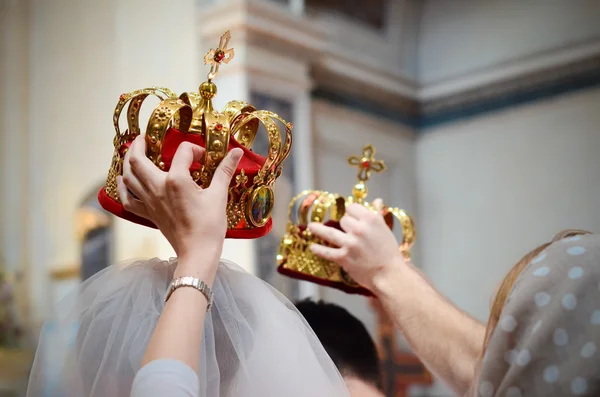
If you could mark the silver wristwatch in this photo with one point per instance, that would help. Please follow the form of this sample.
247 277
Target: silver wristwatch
192 282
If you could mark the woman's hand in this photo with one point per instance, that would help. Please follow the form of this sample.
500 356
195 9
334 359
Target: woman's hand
191 218
366 249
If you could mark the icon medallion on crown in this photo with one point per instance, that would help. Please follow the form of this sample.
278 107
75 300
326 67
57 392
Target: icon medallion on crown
295 258
191 117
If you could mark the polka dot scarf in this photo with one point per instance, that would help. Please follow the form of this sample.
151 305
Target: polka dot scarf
547 339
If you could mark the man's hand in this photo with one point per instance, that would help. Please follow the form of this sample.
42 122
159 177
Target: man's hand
447 340
366 249
191 218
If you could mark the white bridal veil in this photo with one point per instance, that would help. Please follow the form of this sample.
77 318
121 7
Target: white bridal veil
255 342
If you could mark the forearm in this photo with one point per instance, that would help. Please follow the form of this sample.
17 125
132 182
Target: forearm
178 333
446 339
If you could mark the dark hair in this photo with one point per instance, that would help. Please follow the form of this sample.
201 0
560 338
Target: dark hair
345 339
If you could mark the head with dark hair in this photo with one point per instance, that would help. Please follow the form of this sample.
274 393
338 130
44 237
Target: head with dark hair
345 339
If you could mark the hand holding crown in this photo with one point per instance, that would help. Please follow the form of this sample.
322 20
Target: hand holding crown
365 248
343 242
192 218
191 117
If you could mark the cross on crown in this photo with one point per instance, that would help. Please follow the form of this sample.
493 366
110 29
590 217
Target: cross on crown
222 54
366 163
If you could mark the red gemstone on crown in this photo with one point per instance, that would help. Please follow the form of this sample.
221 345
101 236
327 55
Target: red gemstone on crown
123 150
219 126
366 164
219 56
122 97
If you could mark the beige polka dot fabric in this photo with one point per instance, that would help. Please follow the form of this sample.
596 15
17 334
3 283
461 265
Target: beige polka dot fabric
548 336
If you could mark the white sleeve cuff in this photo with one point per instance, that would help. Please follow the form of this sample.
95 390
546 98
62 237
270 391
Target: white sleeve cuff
165 377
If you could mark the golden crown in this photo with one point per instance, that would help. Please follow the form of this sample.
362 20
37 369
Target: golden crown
295 258
191 117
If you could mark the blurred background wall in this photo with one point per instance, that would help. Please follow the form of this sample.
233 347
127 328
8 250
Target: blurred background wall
485 112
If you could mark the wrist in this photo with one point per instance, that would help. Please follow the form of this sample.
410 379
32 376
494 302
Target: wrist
390 277
400 285
199 263
198 244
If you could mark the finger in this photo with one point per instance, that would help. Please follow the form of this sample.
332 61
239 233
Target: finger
226 169
131 180
148 174
129 203
349 224
357 211
378 204
179 175
329 234
186 154
327 253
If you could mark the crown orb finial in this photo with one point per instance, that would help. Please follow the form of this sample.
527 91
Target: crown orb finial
360 192
208 90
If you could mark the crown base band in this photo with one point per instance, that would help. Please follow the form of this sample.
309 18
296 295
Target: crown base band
340 285
117 209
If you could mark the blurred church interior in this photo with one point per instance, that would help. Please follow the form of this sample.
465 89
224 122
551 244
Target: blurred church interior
486 114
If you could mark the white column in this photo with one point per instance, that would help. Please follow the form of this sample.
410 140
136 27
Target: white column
145 57
288 79
232 83
262 67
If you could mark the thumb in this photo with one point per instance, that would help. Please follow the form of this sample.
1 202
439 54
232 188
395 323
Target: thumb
226 169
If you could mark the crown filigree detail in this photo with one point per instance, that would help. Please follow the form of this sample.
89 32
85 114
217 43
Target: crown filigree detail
295 258
192 117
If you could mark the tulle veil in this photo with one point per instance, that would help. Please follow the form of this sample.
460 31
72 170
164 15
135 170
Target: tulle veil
255 342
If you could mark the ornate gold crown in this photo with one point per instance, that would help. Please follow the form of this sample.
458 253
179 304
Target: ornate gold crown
191 117
295 258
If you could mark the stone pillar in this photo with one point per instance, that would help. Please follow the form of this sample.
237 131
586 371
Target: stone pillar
157 46
274 49
232 83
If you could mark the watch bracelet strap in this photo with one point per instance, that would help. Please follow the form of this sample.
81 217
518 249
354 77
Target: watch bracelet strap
193 282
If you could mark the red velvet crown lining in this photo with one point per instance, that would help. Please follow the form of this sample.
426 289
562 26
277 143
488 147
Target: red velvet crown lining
250 162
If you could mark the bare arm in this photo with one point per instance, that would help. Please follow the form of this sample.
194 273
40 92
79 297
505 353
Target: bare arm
178 333
445 338
194 221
